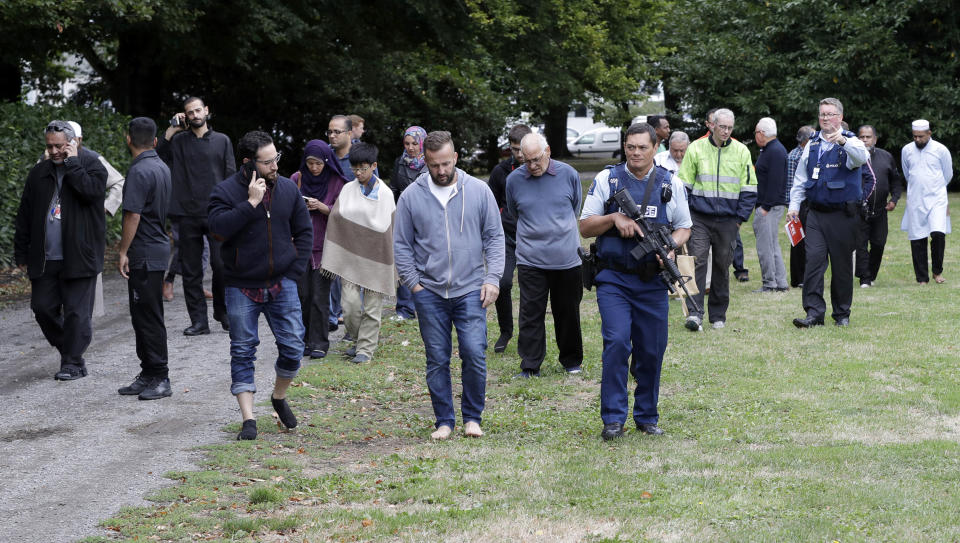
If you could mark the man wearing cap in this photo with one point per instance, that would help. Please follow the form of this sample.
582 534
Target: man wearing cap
110 205
927 169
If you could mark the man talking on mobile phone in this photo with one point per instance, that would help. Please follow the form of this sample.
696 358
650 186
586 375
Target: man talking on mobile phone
267 239
198 158
60 238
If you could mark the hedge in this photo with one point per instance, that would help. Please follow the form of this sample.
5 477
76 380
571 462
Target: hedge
22 142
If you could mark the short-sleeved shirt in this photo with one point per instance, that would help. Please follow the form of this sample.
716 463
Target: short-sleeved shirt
678 213
147 193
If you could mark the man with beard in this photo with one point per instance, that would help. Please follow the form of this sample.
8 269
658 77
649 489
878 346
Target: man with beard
448 249
873 226
59 240
198 158
928 169
829 177
263 223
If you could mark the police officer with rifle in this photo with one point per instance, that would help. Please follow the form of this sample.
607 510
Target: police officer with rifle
631 289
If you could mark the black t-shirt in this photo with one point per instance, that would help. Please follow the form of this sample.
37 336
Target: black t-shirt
147 192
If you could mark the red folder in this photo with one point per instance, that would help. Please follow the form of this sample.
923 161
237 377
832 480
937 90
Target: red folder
794 231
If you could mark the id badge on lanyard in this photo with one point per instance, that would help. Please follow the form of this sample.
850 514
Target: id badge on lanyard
55 210
816 172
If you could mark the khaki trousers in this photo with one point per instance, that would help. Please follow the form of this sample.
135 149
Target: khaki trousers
361 315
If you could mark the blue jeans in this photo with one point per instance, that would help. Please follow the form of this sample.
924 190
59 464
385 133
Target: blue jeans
437 316
286 323
405 307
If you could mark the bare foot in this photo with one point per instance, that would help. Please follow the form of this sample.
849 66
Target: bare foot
441 433
939 278
472 429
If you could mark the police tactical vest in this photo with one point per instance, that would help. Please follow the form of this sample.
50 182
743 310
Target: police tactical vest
836 184
613 249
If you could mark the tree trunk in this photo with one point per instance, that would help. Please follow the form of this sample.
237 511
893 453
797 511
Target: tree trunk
11 83
555 130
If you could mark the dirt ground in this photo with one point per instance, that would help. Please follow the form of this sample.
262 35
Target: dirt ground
72 453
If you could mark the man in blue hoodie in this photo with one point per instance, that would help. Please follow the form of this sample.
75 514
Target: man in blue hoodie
255 214
449 251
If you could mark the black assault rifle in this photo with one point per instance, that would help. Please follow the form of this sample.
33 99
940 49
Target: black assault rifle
657 241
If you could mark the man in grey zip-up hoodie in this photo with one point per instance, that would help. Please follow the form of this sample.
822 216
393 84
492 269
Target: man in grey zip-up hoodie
448 249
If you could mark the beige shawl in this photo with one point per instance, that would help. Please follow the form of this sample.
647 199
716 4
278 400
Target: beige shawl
358 246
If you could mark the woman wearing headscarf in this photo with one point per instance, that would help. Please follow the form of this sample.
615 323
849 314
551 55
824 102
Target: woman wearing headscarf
406 169
320 179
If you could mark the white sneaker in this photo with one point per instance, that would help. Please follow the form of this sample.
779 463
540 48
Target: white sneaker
866 285
397 318
718 325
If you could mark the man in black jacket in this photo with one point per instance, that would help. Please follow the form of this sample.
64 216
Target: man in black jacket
267 240
59 240
771 202
198 159
873 227
498 185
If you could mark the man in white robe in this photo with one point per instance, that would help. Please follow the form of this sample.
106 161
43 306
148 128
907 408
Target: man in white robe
927 169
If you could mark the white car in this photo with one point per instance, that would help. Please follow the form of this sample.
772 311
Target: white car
572 135
598 141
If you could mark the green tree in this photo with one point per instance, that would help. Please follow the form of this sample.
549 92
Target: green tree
889 62
557 52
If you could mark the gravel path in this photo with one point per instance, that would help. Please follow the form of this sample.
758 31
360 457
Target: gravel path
73 453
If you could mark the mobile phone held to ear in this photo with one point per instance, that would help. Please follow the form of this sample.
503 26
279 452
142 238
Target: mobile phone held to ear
248 168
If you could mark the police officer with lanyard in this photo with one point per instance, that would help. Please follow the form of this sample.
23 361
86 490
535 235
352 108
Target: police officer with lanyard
828 177
631 294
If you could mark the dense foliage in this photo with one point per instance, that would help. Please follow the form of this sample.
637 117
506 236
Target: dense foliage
889 62
21 144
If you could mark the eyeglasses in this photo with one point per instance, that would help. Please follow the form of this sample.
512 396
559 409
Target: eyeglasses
829 115
359 171
335 132
533 161
724 128
273 160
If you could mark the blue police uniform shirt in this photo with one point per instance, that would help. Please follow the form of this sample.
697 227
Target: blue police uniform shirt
678 213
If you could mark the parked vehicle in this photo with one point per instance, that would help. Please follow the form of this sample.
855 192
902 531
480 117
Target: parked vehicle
599 141
572 135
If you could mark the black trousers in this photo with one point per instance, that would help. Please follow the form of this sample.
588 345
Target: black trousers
504 303
314 291
64 310
831 238
720 234
145 296
565 290
798 253
873 231
192 232
918 249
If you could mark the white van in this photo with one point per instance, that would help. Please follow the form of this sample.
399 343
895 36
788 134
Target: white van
597 141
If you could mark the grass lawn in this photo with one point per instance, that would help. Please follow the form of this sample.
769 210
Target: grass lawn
772 434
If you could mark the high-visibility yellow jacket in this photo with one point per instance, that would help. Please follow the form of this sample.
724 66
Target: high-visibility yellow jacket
720 181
